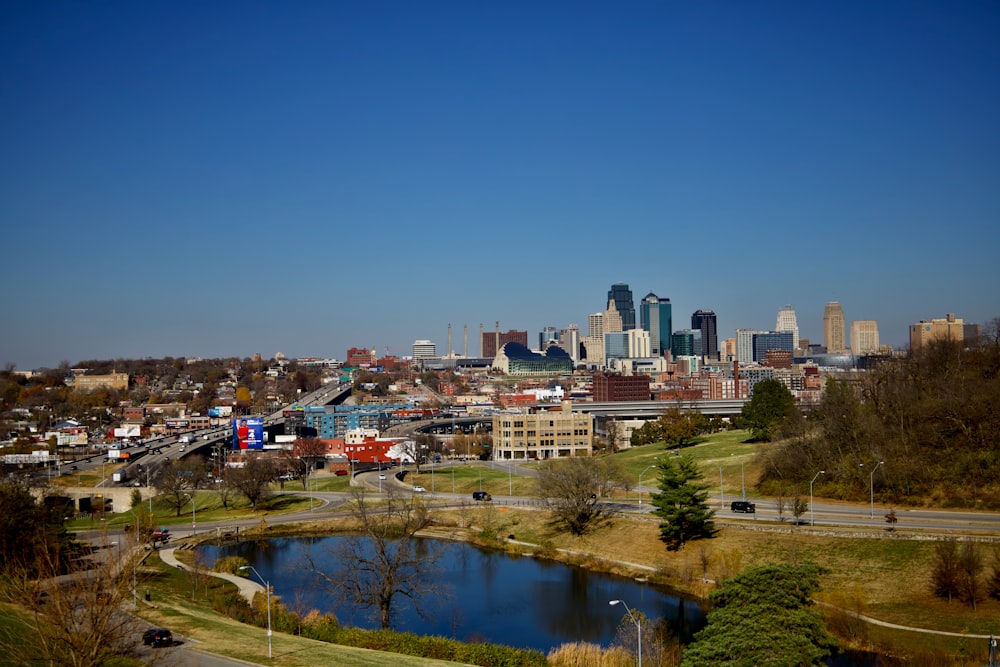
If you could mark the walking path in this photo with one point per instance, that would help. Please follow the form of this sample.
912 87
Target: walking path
247 587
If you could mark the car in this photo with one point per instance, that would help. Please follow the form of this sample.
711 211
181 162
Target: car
157 637
482 496
381 476
75 468
743 506
419 489
161 534
340 473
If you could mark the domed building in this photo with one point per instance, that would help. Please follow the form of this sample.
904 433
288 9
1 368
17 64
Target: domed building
516 359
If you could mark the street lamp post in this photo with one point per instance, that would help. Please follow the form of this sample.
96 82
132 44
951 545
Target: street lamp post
267 591
743 480
638 627
722 492
640 482
812 516
871 486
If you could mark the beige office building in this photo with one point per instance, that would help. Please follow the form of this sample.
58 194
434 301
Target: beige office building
834 328
949 328
864 337
543 435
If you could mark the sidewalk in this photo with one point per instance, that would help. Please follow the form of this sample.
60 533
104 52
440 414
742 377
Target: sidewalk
247 587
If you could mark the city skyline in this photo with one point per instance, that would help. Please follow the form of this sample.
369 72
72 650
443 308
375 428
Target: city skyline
226 180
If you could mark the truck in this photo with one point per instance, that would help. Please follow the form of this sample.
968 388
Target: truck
119 476
184 439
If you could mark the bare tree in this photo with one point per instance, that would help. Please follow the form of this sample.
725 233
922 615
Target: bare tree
173 486
73 620
570 489
945 578
384 561
253 479
970 567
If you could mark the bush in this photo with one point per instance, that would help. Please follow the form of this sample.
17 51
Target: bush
230 565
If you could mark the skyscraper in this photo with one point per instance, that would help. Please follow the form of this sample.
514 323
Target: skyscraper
864 337
704 321
657 320
622 296
788 322
834 328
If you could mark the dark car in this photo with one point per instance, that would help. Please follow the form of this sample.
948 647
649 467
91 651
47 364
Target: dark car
743 506
481 496
157 637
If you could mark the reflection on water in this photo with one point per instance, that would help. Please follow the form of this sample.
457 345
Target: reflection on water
485 595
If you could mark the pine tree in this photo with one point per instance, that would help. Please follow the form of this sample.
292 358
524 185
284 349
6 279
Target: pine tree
682 503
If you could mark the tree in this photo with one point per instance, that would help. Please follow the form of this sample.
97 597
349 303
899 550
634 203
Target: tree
384 561
570 488
970 567
764 616
770 404
682 503
253 479
31 534
679 428
81 621
173 487
945 570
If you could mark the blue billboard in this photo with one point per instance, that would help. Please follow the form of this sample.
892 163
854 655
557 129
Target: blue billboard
248 433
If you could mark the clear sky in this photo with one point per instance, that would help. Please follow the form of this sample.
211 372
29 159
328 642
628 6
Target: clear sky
227 178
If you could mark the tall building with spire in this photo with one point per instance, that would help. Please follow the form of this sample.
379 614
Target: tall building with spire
657 319
705 322
622 296
787 322
834 328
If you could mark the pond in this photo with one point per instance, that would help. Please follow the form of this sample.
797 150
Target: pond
484 595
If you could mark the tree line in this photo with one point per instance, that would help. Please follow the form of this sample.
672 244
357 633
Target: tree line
912 430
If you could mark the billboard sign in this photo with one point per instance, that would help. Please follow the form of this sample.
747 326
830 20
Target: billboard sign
128 432
248 433
221 411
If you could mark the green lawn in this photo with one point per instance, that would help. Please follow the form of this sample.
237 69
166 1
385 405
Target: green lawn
726 450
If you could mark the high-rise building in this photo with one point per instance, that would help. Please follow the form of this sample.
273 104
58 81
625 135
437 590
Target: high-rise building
744 344
622 296
569 340
834 328
864 337
704 321
950 328
657 320
548 336
424 349
686 343
612 320
771 341
788 322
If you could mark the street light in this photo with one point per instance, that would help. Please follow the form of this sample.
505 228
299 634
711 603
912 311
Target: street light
638 627
640 482
812 518
871 486
267 591
722 492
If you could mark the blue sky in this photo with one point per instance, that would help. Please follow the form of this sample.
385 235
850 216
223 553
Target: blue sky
227 178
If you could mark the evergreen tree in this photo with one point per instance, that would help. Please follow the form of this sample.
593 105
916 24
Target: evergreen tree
682 503
763 616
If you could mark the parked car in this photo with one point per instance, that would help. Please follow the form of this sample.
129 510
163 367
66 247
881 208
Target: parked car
157 637
481 496
743 506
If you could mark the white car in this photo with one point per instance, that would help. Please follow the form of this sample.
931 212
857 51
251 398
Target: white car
419 489
382 476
